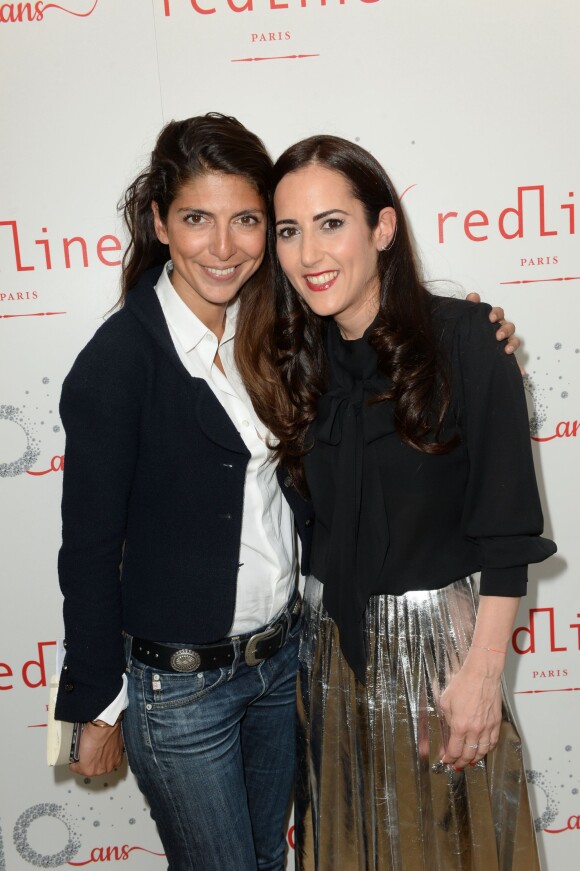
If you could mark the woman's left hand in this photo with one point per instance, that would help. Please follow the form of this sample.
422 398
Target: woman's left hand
472 707
100 751
506 330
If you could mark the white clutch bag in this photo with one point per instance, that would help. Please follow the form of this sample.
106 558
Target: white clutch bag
62 738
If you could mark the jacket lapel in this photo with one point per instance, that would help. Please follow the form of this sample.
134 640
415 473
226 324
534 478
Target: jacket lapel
212 418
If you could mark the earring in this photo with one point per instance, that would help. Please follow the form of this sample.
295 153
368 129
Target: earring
391 243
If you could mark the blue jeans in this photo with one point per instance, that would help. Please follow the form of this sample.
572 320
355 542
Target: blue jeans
213 752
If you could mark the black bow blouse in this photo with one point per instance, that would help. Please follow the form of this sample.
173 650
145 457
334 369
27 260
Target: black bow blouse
389 518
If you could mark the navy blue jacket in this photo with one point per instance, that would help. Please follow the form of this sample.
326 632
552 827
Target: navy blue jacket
154 478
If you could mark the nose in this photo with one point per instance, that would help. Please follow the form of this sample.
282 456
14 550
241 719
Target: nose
310 249
222 243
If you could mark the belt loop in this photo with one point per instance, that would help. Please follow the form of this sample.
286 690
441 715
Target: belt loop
127 641
288 616
234 666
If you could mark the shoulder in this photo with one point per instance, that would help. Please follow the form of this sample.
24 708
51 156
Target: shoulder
118 345
461 321
123 349
448 308
124 334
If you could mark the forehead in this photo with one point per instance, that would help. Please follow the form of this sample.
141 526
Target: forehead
218 191
313 189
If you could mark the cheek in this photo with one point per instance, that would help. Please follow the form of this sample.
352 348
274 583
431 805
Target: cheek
185 244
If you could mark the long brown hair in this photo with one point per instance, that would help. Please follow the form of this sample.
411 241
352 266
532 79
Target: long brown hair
184 150
402 335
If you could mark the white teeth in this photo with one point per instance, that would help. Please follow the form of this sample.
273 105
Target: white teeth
221 272
323 278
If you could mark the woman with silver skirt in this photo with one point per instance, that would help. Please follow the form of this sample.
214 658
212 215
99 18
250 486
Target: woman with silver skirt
369 793
407 426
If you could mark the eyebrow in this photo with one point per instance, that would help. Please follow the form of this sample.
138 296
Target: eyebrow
318 217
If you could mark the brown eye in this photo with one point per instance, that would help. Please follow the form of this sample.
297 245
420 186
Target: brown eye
194 218
333 224
287 232
249 220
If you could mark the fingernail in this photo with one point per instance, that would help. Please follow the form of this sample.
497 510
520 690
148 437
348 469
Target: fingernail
457 769
472 764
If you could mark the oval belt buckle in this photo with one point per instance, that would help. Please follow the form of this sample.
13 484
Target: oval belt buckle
185 660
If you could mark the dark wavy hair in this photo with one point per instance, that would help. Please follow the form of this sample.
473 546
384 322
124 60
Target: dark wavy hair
184 150
403 335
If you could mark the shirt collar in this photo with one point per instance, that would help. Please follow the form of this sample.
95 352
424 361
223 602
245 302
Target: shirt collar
187 327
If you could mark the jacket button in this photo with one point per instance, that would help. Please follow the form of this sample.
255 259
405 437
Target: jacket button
69 687
308 522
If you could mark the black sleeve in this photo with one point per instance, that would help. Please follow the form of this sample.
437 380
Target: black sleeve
101 420
502 512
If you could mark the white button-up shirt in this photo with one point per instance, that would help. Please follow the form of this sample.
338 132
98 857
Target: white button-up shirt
267 573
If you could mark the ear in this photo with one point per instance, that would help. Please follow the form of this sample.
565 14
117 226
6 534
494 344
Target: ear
160 228
384 232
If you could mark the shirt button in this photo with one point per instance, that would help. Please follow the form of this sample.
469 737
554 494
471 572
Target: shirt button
209 337
245 423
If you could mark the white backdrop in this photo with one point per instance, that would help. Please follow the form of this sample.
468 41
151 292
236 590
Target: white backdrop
472 107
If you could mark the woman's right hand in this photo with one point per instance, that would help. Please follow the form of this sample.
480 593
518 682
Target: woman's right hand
101 750
472 707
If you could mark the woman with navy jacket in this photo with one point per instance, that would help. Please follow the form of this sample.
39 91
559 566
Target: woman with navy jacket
178 560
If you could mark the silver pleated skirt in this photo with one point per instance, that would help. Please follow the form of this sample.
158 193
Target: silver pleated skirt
371 794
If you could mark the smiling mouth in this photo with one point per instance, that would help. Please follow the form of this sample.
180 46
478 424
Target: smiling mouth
321 281
221 273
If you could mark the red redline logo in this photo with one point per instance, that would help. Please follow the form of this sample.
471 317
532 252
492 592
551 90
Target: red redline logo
125 851
34 315
407 189
540 280
533 692
70 11
565 429
56 465
572 825
240 60
18 13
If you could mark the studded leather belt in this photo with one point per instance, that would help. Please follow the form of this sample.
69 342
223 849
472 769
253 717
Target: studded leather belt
253 650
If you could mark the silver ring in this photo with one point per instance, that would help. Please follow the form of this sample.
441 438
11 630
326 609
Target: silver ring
472 746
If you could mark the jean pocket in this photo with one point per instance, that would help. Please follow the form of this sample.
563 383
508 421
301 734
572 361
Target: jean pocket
166 691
